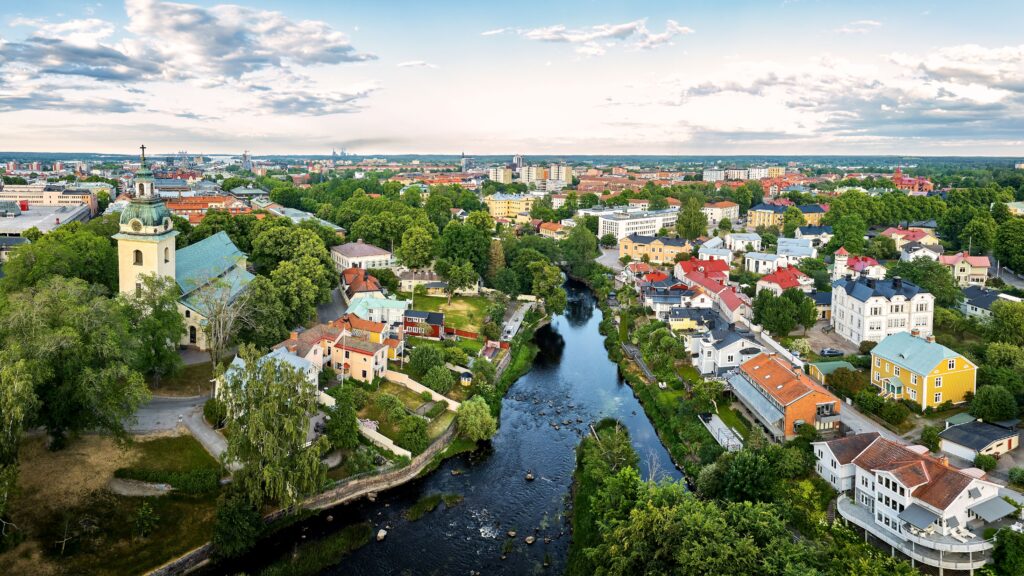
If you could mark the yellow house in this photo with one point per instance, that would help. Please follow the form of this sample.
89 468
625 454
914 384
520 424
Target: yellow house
658 249
907 366
773 216
508 205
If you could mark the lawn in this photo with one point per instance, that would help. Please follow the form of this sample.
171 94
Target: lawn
173 454
62 495
191 380
438 425
733 420
471 347
411 399
465 312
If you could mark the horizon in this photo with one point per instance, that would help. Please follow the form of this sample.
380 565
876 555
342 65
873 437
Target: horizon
599 78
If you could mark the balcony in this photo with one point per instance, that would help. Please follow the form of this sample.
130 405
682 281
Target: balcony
933 550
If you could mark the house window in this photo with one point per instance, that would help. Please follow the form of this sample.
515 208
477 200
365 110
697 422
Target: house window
878 362
877 376
913 394
364 374
951 364
188 313
913 378
137 257
897 370
938 397
938 381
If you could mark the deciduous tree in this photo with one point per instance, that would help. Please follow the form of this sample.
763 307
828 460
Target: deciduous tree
474 420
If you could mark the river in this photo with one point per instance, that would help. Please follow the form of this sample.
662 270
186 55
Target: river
571 379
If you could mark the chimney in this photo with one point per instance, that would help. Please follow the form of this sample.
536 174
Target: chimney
930 338
897 282
871 282
359 241
294 336
915 333
293 348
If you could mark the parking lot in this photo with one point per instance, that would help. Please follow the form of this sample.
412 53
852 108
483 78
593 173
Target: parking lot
819 339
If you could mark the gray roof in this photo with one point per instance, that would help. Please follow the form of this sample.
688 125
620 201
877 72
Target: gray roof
976 435
726 337
981 297
861 288
993 509
679 242
918 515
815 230
359 249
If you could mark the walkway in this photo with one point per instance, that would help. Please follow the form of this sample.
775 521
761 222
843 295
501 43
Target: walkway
515 321
637 357
162 413
610 257
212 441
726 436
332 309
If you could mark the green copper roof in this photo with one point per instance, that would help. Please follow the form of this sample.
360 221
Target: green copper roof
912 353
198 264
149 212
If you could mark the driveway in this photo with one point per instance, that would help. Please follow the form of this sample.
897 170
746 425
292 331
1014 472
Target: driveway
819 339
859 423
162 413
1008 277
610 257
332 309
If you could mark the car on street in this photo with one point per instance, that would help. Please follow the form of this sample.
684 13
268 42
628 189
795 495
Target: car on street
831 352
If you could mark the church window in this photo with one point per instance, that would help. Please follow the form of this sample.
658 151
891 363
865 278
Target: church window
138 257
167 255
142 188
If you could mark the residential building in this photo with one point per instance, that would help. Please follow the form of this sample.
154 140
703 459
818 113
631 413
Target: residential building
818 235
18 217
533 174
916 503
560 172
905 365
500 174
820 371
658 249
978 301
785 278
714 249
8 244
762 263
781 398
871 309
756 173
387 310
359 283
359 254
823 303
283 356
914 250
717 211
857 266
661 300
426 324
901 236
716 270
967 270
967 437
552 230
736 174
722 350
795 249
313 345
1016 208
503 205
743 242
691 320
359 358
776 171
44 194
194 208
649 223
713 175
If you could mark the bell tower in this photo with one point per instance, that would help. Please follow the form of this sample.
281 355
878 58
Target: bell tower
145 242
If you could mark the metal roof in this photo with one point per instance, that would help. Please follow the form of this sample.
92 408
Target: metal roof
993 509
918 516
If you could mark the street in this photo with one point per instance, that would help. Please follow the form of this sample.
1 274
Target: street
161 413
610 257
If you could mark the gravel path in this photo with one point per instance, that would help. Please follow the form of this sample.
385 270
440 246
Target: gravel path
124 487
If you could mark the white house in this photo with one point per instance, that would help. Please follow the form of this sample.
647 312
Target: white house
761 263
966 437
978 301
714 249
871 309
795 249
719 351
914 250
743 242
359 254
856 266
818 235
916 503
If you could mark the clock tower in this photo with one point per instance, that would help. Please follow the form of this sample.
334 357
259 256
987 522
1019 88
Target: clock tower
145 242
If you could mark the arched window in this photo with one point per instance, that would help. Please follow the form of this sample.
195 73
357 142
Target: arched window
138 257
167 255
142 188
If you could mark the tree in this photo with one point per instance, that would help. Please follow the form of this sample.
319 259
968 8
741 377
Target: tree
609 240
158 326
807 311
849 232
423 358
792 219
417 249
269 404
481 220
993 404
224 313
70 251
458 277
1008 554
932 277
237 524
692 222
412 434
725 225
342 426
296 291
17 402
496 262
882 248
985 462
1001 212
474 420
462 242
484 375
547 285
78 348
1007 322
930 438
439 379
778 315
705 393
1009 246
265 321
146 519
979 235
304 248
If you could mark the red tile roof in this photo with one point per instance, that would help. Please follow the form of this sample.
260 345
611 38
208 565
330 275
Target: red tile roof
785 277
908 235
779 379
716 269
936 482
358 280
954 259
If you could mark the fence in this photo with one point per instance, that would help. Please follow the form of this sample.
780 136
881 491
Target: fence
461 333
383 441
404 380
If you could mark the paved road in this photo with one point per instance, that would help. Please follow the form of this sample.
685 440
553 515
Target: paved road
162 412
515 321
332 309
610 257
1011 279
213 442
859 423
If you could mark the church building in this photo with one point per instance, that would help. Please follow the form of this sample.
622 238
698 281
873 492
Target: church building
210 271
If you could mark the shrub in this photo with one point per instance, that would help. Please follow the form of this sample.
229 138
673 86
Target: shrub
893 412
1017 475
236 526
389 407
866 347
426 396
193 482
439 379
436 410
985 462
930 438
215 412
412 434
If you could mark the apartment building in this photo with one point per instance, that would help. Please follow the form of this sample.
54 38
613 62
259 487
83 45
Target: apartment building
562 172
776 171
500 174
713 175
771 215
905 365
871 309
508 205
757 173
359 254
49 195
844 264
736 174
658 249
622 224
783 279
901 236
533 174
917 503
782 398
717 211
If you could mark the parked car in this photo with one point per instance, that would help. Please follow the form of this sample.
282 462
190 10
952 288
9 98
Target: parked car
831 352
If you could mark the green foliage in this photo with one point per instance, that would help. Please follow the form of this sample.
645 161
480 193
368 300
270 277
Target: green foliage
993 404
1008 554
412 434
237 525
146 520
777 314
985 462
848 233
1017 475
1007 322
417 248
71 251
342 426
474 420
930 438
931 276
692 221
547 285
866 346
197 481
315 557
894 413
157 324
215 412
439 379
424 357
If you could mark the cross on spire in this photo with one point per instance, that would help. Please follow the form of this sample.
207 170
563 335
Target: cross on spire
143 148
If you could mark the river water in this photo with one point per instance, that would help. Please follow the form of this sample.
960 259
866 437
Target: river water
571 379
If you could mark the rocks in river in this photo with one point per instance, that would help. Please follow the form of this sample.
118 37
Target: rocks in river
530 539
456 472
381 534
529 476
557 427
330 518
547 540
511 533
541 413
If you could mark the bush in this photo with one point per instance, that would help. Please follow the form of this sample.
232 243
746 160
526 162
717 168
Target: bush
215 412
1017 475
236 526
439 379
426 396
412 435
193 482
866 347
985 462
894 413
436 410
930 438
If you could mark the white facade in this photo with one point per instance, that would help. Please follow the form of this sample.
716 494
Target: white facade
736 174
743 241
620 224
713 175
500 174
761 263
858 318
757 173
715 212
712 357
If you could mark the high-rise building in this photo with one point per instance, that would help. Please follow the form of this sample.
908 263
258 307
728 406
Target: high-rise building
247 161
561 172
776 171
500 174
532 174
518 162
756 173
58 166
713 175
12 166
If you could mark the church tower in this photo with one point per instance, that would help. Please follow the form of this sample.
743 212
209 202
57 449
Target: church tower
145 243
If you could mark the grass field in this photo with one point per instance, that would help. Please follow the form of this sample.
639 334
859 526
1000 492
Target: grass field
733 420
173 454
438 425
411 399
464 313
189 381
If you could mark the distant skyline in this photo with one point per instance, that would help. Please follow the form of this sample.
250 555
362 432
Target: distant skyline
579 77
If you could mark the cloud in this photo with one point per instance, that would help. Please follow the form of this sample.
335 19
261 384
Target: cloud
595 40
1001 68
57 56
859 27
49 100
416 64
308 103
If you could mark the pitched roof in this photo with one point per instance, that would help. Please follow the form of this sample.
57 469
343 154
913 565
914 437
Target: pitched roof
910 235
849 447
976 435
831 366
779 379
981 297
954 259
913 353
721 204
358 280
359 249
711 268
815 230
930 479
785 277
432 318
863 288
667 241
362 306
301 343
859 263
198 264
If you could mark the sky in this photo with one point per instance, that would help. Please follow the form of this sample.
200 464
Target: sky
567 77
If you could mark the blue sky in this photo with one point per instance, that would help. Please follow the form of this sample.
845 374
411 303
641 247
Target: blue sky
577 77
